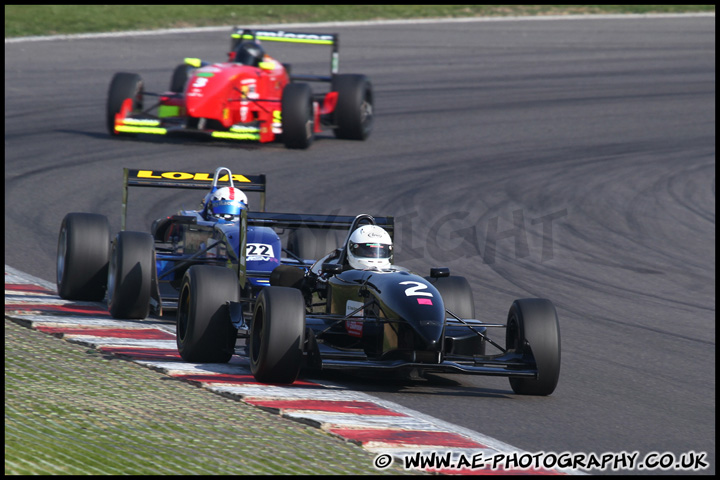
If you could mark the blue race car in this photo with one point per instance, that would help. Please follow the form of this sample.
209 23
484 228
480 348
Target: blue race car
141 273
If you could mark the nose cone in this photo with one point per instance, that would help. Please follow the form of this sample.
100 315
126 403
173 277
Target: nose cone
430 333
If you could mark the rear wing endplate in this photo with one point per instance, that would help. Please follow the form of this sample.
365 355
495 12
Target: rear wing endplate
328 39
188 180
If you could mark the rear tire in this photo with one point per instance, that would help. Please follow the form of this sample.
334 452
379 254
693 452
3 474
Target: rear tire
533 330
179 78
456 295
312 243
205 333
298 120
122 87
82 257
277 335
354 110
130 275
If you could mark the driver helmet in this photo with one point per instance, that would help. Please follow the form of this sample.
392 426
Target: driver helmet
370 246
249 53
226 203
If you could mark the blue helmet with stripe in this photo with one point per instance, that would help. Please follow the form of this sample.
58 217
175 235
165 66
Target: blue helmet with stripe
226 203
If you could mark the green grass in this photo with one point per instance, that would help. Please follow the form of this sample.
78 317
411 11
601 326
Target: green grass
27 20
70 410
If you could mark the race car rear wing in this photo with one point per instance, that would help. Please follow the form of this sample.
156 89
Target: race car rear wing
193 180
329 39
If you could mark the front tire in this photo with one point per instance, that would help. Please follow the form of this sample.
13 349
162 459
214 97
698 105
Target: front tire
277 335
83 255
123 86
298 120
205 333
533 330
130 275
354 110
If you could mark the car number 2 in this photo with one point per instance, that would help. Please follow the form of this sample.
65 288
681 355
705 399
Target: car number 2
415 291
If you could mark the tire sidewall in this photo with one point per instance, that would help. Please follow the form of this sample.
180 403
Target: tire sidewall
534 331
180 77
298 124
130 275
123 86
353 92
277 335
82 256
205 333
456 294
312 243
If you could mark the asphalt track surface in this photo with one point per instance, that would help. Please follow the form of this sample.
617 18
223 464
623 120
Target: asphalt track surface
567 159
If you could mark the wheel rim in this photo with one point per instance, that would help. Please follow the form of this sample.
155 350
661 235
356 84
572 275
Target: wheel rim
366 111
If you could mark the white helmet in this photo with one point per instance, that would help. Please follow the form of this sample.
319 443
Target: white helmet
226 203
370 246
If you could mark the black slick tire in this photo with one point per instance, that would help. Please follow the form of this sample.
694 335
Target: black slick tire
205 333
277 335
179 78
123 86
354 110
312 243
82 256
534 331
298 121
130 275
456 294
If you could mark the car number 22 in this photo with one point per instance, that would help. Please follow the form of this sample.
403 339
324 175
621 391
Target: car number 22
259 249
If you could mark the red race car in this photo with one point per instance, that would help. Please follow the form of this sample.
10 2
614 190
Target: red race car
251 97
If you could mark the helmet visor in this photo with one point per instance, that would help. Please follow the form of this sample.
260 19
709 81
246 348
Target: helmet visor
231 207
227 209
371 250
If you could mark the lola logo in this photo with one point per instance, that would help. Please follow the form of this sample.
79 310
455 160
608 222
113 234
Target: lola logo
202 177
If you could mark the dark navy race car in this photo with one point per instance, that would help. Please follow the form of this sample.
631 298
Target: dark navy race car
353 309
